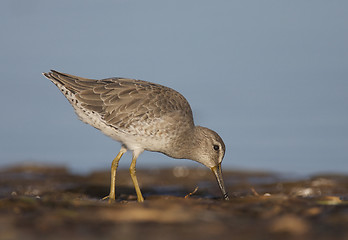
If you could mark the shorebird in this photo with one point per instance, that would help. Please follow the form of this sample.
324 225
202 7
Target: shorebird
142 116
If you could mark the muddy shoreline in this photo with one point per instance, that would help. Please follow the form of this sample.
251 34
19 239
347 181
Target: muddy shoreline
40 202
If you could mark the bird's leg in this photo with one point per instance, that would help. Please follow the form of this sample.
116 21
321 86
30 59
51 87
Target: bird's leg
134 178
114 166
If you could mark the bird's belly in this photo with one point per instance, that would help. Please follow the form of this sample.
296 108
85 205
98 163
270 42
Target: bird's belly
143 143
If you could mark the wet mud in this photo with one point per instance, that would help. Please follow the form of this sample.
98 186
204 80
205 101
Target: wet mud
40 202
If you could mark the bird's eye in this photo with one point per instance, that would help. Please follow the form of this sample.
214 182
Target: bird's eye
216 147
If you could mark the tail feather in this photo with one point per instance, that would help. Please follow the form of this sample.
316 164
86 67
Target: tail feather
71 82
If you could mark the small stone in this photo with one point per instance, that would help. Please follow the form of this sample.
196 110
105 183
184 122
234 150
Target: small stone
330 200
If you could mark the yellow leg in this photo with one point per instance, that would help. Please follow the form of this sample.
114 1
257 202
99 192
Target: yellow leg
134 178
114 166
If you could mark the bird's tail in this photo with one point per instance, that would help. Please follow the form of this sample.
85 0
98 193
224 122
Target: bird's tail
70 82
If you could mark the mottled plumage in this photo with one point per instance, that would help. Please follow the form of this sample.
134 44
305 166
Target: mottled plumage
142 116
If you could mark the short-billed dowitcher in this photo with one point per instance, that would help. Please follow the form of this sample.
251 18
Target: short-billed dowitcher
142 116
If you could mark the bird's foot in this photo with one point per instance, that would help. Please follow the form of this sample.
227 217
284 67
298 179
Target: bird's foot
111 200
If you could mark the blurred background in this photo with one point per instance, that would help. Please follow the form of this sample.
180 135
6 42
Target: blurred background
271 77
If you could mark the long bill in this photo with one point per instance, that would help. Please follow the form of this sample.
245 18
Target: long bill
218 174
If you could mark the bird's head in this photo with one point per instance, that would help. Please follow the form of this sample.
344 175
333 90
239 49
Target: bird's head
210 151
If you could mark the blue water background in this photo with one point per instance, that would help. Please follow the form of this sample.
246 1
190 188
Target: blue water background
271 77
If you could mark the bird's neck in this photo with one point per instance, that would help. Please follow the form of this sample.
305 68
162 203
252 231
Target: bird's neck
186 147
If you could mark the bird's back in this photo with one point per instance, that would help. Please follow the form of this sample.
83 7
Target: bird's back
129 106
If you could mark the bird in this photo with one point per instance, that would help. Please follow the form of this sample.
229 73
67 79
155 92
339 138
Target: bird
142 116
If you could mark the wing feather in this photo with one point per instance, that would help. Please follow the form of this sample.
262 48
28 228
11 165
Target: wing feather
122 102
